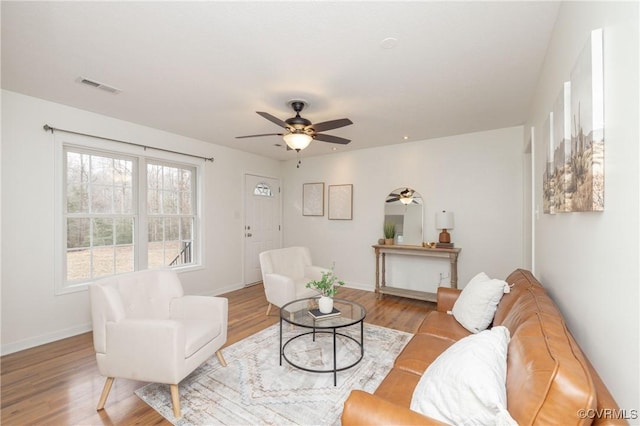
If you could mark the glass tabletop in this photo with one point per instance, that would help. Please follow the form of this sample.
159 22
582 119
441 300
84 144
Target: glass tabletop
297 313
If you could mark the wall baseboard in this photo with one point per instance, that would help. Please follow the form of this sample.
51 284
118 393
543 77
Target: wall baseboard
225 289
21 345
10 348
360 286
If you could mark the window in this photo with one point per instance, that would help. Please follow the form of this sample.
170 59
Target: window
106 199
100 216
170 214
262 189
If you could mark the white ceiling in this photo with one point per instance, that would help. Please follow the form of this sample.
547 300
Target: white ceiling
202 69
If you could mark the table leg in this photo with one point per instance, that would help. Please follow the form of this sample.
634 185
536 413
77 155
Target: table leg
335 371
362 338
280 347
453 259
384 272
377 272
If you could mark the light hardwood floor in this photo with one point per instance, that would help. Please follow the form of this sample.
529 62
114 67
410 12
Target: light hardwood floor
59 383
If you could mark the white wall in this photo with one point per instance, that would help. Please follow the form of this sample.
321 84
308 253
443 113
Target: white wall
447 172
31 313
477 176
589 261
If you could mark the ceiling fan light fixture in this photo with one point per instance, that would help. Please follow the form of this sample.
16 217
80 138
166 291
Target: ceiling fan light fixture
297 140
406 196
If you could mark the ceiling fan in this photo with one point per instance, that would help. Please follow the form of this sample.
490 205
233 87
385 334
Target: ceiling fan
405 197
300 131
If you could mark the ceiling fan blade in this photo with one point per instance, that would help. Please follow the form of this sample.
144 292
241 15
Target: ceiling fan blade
330 125
273 119
331 139
392 199
263 134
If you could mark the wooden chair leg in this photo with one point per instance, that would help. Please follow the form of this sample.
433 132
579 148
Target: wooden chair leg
105 393
221 358
268 309
175 401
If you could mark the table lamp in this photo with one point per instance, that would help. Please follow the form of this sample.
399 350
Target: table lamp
444 221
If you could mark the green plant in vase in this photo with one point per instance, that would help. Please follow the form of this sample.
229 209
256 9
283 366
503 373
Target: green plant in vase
389 230
327 286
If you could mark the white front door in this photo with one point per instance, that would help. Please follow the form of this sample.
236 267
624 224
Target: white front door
261 222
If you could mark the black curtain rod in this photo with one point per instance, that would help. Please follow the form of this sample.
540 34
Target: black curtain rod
52 129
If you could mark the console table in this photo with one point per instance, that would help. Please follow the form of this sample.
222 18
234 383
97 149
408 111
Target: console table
383 250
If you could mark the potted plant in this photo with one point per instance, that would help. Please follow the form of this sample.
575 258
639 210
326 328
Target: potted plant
389 232
327 286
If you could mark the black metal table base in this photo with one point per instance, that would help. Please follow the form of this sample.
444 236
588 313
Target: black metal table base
333 332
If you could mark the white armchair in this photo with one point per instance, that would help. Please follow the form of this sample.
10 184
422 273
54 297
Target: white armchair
285 274
145 328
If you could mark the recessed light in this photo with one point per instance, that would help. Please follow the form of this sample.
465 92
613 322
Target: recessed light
334 148
389 43
405 138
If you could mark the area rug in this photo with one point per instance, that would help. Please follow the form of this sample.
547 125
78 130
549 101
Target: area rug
253 389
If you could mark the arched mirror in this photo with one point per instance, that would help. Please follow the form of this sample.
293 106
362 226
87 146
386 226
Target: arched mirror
403 208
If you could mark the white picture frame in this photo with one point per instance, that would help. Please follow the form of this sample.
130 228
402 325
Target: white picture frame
341 202
313 199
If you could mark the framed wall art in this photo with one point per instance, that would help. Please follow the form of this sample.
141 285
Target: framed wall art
341 202
313 199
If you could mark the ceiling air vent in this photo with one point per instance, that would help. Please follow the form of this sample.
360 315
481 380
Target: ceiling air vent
98 85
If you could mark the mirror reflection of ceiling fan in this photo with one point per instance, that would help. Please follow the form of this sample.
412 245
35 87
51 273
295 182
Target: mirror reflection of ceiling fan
300 131
405 197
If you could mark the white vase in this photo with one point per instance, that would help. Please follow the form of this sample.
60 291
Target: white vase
325 304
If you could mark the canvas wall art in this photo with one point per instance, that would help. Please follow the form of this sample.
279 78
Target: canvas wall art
561 138
586 183
548 182
573 136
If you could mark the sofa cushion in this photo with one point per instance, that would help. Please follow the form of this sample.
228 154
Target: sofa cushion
545 364
420 352
442 325
477 303
519 281
197 334
465 385
397 386
301 288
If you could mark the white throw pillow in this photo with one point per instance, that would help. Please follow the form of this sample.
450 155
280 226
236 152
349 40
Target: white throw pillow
466 384
477 303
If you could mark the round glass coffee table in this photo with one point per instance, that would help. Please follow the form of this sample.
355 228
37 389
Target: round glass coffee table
297 313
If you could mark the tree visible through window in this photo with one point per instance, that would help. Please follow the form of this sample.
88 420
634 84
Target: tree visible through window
170 215
102 217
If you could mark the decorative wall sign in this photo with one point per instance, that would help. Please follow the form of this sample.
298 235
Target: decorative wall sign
341 202
313 199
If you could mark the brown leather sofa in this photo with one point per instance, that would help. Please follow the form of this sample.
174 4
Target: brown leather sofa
549 380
